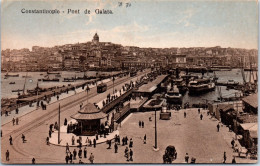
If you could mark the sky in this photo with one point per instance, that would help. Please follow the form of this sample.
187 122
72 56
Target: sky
146 23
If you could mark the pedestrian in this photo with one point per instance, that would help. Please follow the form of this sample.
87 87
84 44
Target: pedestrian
131 155
126 151
67 148
140 124
91 158
70 157
127 156
73 140
80 106
118 139
16 110
17 120
90 142
131 143
13 121
234 160
184 114
96 136
116 148
87 141
218 127
7 155
67 159
85 152
109 144
123 141
224 157
65 122
145 139
74 154
201 116
1 133
126 140
94 143
50 132
48 141
23 138
199 111
11 140
58 97
187 158
80 153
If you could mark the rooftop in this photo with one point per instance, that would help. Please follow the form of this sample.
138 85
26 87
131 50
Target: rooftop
151 86
89 112
251 100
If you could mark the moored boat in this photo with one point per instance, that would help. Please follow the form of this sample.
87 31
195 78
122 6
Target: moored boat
200 86
17 90
11 75
51 80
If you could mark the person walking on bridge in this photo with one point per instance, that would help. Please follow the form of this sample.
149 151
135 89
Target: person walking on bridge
218 127
91 158
13 121
201 116
23 138
17 120
11 140
7 155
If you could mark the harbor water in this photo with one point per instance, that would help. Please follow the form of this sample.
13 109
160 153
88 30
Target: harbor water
32 79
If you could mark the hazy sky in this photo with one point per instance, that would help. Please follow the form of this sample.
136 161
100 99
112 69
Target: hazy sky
143 24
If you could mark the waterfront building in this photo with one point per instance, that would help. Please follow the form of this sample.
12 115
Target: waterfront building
250 104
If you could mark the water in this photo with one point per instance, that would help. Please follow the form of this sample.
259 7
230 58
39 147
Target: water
223 76
31 83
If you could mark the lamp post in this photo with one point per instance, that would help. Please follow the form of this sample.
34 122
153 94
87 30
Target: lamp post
87 89
155 132
236 117
113 79
37 102
59 126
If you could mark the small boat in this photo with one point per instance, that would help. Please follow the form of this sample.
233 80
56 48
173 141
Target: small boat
68 81
57 75
26 76
11 75
48 72
17 90
11 82
41 74
200 86
51 80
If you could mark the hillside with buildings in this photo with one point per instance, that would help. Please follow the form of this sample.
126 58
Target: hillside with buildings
105 55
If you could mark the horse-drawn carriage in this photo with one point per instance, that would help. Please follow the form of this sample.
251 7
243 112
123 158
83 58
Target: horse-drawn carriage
170 154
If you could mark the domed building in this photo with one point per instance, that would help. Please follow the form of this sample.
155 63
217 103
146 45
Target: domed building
95 39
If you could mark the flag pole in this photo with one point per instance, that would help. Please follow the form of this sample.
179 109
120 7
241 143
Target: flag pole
59 126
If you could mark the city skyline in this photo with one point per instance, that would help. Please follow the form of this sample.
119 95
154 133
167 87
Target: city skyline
143 24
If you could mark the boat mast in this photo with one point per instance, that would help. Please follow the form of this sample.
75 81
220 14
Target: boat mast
24 82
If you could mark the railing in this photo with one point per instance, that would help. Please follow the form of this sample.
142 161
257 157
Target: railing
116 101
122 112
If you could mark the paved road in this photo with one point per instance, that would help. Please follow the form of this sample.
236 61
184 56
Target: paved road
35 126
